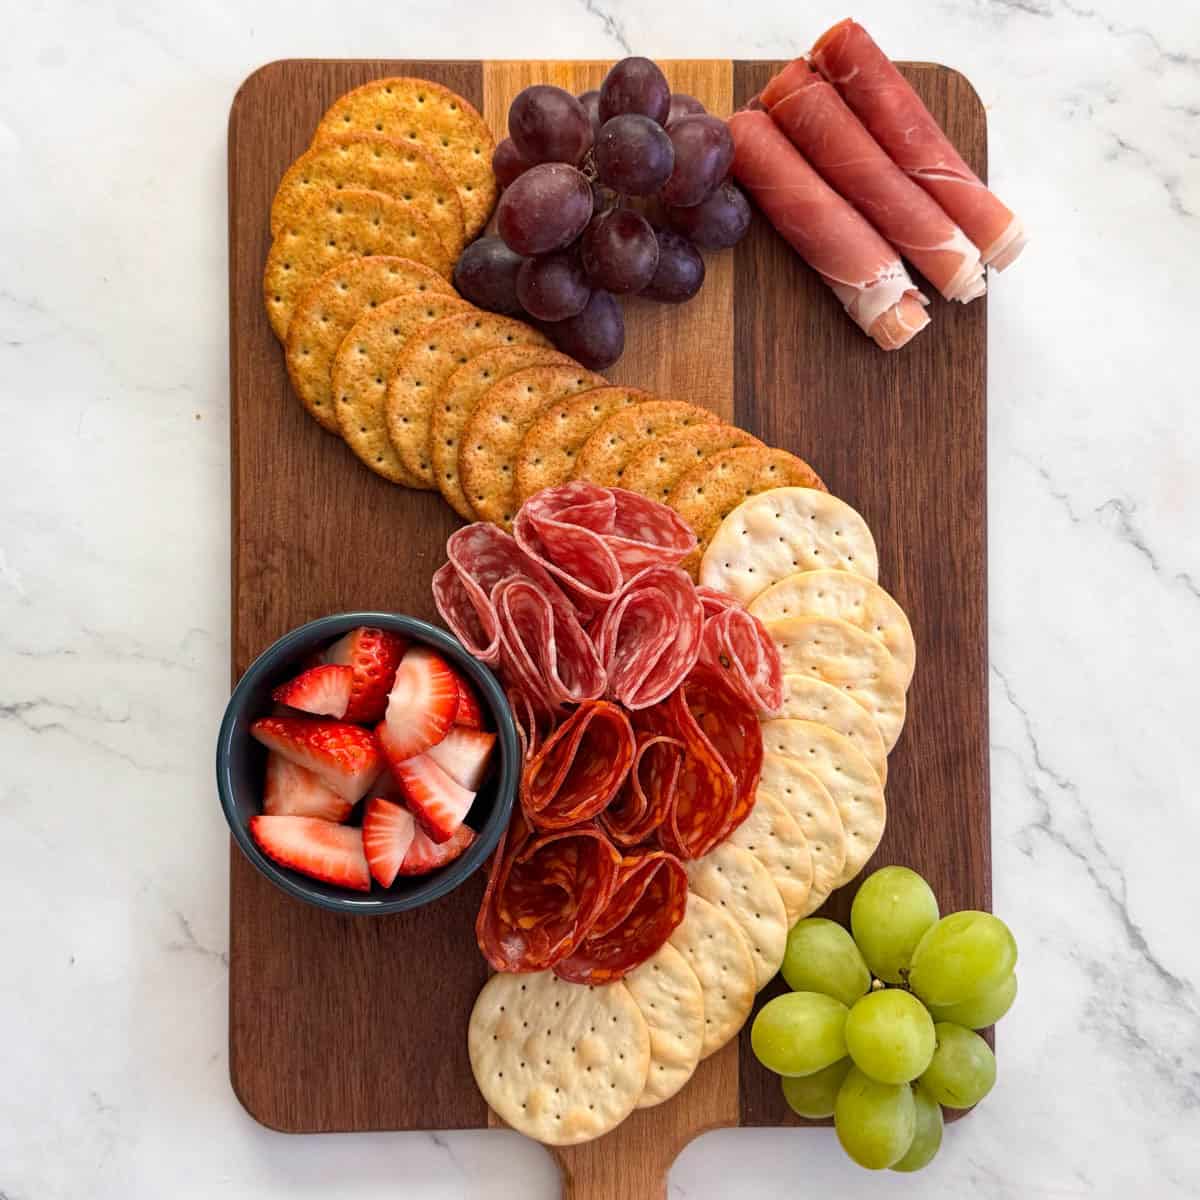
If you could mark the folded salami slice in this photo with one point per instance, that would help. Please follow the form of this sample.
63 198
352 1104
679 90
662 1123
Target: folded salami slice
735 645
544 894
646 906
645 798
579 768
649 637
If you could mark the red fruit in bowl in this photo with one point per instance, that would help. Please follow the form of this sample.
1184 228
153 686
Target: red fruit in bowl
294 791
344 757
324 691
422 705
425 855
437 801
387 833
332 853
373 656
470 714
464 755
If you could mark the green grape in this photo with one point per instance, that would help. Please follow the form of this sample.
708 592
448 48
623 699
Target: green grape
980 1011
928 1138
961 957
875 1122
814 1095
799 1033
822 957
890 1036
963 1068
893 909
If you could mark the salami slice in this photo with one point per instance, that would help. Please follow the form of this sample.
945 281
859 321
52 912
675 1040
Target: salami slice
645 799
735 645
544 895
579 768
646 906
649 638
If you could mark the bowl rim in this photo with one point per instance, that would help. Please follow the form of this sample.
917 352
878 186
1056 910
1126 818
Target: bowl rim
293 644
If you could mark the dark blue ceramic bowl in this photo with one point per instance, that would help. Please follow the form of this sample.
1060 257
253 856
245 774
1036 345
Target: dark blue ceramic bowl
241 764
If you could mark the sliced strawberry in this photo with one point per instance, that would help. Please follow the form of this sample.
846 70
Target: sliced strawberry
373 656
469 713
333 853
422 705
433 797
293 791
425 855
344 757
387 833
464 754
324 691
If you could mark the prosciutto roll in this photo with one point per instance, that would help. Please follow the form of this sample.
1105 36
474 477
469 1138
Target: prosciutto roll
820 125
893 113
864 272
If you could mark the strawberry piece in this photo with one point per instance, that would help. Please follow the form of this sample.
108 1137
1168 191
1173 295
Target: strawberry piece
425 855
433 797
293 791
331 853
469 712
387 833
464 754
372 656
323 691
344 757
422 705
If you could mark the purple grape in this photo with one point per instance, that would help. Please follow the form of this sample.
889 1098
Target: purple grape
545 209
486 275
635 85
596 337
591 106
715 223
680 272
548 124
508 163
620 251
634 156
703 155
553 286
681 106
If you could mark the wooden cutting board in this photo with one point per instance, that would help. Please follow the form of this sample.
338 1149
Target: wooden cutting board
340 1023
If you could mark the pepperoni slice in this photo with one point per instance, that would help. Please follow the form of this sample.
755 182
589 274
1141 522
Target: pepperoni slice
735 644
646 906
645 800
579 768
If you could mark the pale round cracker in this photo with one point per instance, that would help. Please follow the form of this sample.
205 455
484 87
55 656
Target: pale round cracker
847 777
812 808
841 654
365 363
423 370
717 951
492 437
734 880
375 163
332 225
807 698
658 466
552 445
781 531
771 834
559 1062
603 456
324 314
438 120
849 597
456 402
671 1000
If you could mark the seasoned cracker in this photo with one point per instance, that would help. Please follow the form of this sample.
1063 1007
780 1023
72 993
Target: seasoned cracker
332 225
492 437
423 370
660 464
365 362
771 834
435 118
456 402
560 1062
375 163
603 456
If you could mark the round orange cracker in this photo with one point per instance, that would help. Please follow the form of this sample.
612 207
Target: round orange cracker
660 464
603 456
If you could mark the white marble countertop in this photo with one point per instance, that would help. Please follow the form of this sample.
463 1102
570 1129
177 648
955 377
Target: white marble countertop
114 595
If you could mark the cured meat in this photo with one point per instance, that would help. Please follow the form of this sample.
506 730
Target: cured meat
736 646
645 799
820 125
529 718
649 637
646 907
579 768
864 272
887 105
544 894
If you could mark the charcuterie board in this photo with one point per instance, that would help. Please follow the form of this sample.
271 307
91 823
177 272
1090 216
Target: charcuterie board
341 1024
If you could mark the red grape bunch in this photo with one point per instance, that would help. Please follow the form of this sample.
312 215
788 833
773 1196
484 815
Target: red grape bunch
579 175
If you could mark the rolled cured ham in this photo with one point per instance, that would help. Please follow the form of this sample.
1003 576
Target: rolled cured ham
897 119
865 273
819 124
